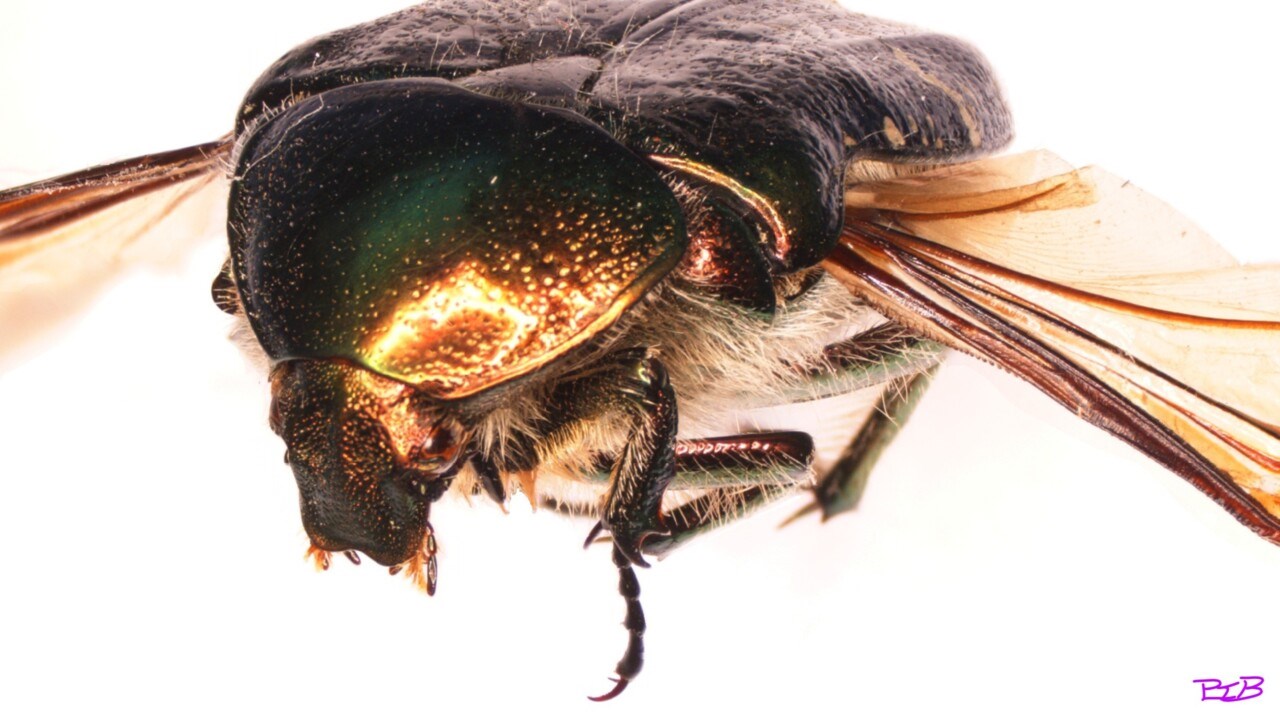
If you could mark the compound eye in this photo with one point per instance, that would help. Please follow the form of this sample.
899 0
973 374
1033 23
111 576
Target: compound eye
440 450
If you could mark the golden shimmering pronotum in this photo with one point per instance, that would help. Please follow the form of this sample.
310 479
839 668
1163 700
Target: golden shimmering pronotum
470 246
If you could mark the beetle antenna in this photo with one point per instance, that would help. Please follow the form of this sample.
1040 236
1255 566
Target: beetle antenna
633 659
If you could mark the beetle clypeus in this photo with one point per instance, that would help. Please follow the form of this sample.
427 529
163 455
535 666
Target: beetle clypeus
455 542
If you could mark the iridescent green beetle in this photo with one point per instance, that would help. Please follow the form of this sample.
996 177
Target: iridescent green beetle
484 245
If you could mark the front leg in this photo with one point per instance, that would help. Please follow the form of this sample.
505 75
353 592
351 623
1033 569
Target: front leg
634 384
630 511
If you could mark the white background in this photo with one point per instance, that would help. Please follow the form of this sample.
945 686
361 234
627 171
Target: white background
1007 560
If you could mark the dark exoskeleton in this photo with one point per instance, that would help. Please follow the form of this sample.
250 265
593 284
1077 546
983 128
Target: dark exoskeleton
573 248
481 241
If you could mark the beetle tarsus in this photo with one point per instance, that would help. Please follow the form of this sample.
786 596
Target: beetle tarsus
633 658
631 510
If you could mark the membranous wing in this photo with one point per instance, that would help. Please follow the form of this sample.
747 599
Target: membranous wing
61 239
1098 294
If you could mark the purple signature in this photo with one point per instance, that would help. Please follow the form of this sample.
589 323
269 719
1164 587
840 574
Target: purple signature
1213 689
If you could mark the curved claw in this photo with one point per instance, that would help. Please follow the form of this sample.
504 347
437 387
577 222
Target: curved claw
808 509
595 533
619 684
629 543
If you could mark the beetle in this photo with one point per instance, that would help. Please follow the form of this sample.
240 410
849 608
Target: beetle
460 543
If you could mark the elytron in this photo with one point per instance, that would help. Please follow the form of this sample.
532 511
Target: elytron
551 274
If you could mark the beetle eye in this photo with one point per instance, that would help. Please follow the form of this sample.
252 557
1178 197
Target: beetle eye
439 450
441 439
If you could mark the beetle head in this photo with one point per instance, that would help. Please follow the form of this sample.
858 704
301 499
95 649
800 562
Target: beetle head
370 456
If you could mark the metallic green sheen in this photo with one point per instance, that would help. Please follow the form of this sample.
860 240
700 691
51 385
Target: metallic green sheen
439 237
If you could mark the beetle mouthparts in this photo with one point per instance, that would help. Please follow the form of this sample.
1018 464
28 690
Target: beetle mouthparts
319 558
422 568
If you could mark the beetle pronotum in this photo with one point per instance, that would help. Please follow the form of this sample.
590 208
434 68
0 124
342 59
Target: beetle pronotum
198 540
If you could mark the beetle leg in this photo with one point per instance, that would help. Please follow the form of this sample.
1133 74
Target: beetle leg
633 657
634 384
739 473
631 390
782 457
490 479
644 468
842 486
766 466
882 354
716 508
